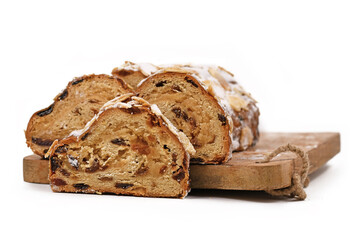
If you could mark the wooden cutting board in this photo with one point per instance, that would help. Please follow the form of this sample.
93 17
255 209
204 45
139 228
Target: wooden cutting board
246 170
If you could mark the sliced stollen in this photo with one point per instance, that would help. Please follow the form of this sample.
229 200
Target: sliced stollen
72 109
128 148
204 102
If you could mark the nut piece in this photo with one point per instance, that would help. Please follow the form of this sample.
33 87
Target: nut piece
246 138
237 103
216 74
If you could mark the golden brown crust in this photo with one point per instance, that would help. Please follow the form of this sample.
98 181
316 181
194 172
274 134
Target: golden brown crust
68 182
39 145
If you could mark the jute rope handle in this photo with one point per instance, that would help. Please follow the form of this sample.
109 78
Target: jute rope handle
299 179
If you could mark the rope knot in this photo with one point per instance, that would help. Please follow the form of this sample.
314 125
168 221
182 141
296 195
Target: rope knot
299 179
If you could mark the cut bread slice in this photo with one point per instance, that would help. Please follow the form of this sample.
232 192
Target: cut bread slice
128 148
72 109
204 102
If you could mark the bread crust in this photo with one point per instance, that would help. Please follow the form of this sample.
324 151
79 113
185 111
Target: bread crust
40 146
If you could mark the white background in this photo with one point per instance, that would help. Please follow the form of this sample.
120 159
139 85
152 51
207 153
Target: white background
299 59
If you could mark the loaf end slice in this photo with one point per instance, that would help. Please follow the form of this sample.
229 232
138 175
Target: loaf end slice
71 109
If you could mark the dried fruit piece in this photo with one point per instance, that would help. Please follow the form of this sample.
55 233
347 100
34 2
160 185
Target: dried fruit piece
47 111
189 80
42 142
179 174
54 163
58 182
222 119
94 167
163 169
160 84
119 141
123 185
81 186
63 95
77 81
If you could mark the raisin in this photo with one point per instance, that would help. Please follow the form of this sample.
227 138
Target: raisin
123 185
177 112
163 169
160 84
154 121
77 81
185 116
94 167
119 141
61 149
192 122
195 142
64 172
41 142
196 160
46 111
166 147
63 95
176 88
55 164
222 119
179 175
189 80
58 182
174 158
81 186
85 136
142 170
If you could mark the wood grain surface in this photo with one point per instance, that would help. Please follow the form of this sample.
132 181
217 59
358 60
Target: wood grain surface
246 170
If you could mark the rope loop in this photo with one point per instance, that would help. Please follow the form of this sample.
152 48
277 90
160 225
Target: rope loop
299 179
